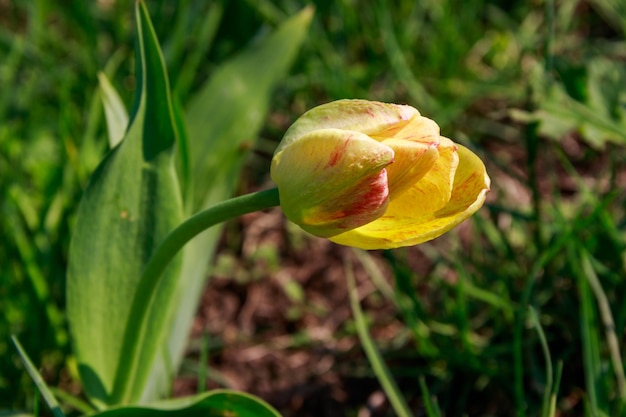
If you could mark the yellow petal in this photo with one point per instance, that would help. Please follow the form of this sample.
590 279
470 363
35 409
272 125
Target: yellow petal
412 161
332 180
368 117
433 190
471 184
418 129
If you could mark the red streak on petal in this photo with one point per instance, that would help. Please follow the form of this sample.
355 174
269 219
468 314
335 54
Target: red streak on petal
336 154
374 196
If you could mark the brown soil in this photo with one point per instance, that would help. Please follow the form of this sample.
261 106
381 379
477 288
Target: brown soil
286 335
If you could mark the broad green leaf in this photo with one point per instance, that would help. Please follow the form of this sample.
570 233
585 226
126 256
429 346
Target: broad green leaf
222 124
114 111
132 201
223 119
218 403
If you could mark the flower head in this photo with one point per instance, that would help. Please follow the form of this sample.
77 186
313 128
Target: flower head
375 175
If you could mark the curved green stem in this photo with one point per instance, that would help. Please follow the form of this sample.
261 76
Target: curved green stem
135 331
203 220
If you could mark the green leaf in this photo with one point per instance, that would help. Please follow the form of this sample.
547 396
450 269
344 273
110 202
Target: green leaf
222 124
132 201
36 377
205 32
225 116
599 116
218 403
114 111
374 357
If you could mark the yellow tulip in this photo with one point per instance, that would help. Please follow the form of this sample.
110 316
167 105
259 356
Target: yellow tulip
375 175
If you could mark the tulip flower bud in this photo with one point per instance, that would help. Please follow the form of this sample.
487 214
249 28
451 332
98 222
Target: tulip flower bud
375 175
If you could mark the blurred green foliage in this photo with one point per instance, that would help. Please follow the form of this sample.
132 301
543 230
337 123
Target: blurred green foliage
536 88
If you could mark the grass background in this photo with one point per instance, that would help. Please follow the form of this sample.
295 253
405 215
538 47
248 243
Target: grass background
534 87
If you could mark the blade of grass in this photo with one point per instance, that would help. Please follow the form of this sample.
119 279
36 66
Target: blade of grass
432 409
10 70
38 380
547 392
373 355
461 307
374 272
609 324
518 362
268 10
202 45
590 348
70 400
563 241
399 63
555 388
549 53
497 237
28 256
409 305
